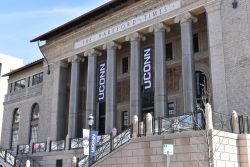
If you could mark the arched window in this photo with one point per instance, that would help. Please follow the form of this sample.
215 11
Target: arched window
15 128
34 123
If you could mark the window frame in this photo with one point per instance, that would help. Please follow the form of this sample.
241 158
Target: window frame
14 129
21 85
196 48
124 127
34 122
125 65
173 111
37 78
172 51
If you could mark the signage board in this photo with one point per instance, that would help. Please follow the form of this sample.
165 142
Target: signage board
168 149
93 143
101 81
85 135
148 73
130 23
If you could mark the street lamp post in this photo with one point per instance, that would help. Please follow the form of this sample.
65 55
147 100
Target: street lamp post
90 123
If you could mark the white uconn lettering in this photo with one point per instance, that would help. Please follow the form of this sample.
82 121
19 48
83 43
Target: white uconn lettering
147 69
101 81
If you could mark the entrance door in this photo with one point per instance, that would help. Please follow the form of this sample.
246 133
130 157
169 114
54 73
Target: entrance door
147 104
102 118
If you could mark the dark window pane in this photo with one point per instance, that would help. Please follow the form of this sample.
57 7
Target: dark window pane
37 78
196 43
201 84
35 111
171 109
169 51
33 134
16 116
125 65
59 163
125 120
14 139
19 85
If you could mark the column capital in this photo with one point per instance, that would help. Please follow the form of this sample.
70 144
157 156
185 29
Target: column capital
92 52
135 36
111 45
75 59
212 6
185 17
159 27
61 63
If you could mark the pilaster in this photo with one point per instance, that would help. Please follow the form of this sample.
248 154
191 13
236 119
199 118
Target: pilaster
216 57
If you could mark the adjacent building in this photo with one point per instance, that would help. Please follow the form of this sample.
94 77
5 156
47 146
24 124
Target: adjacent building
128 58
7 63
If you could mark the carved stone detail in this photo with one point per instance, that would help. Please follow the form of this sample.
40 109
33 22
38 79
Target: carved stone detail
92 52
159 27
135 36
75 59
185 17
112 45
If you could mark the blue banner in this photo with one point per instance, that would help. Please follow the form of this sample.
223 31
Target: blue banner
101 81
93 138
147 60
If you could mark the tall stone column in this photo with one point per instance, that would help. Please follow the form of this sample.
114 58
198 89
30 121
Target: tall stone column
135 74
160 82
216 57
59 101
91 84
74 96
111 80
185 21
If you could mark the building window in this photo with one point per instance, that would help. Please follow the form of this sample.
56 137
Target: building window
196 43
19 85
125 120
14 139
37 78
171 109
15 128
16 117
169 51
59 163
124 65
34 123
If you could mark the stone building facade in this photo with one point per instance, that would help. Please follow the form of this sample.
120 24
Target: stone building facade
180 49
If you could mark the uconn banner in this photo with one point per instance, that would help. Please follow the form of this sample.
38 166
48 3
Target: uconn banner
147 60
101 81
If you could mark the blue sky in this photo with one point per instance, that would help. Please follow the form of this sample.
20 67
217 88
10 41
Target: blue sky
23 20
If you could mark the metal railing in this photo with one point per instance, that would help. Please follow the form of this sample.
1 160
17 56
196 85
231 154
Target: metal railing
244 123
105 145
57 145
76 143
23 149
10 158
222 122
39 147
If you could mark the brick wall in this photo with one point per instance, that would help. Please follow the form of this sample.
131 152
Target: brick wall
190 150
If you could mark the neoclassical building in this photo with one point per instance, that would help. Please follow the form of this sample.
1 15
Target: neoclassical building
127 58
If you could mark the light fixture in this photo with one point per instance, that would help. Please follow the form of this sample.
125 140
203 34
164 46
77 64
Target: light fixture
91 120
